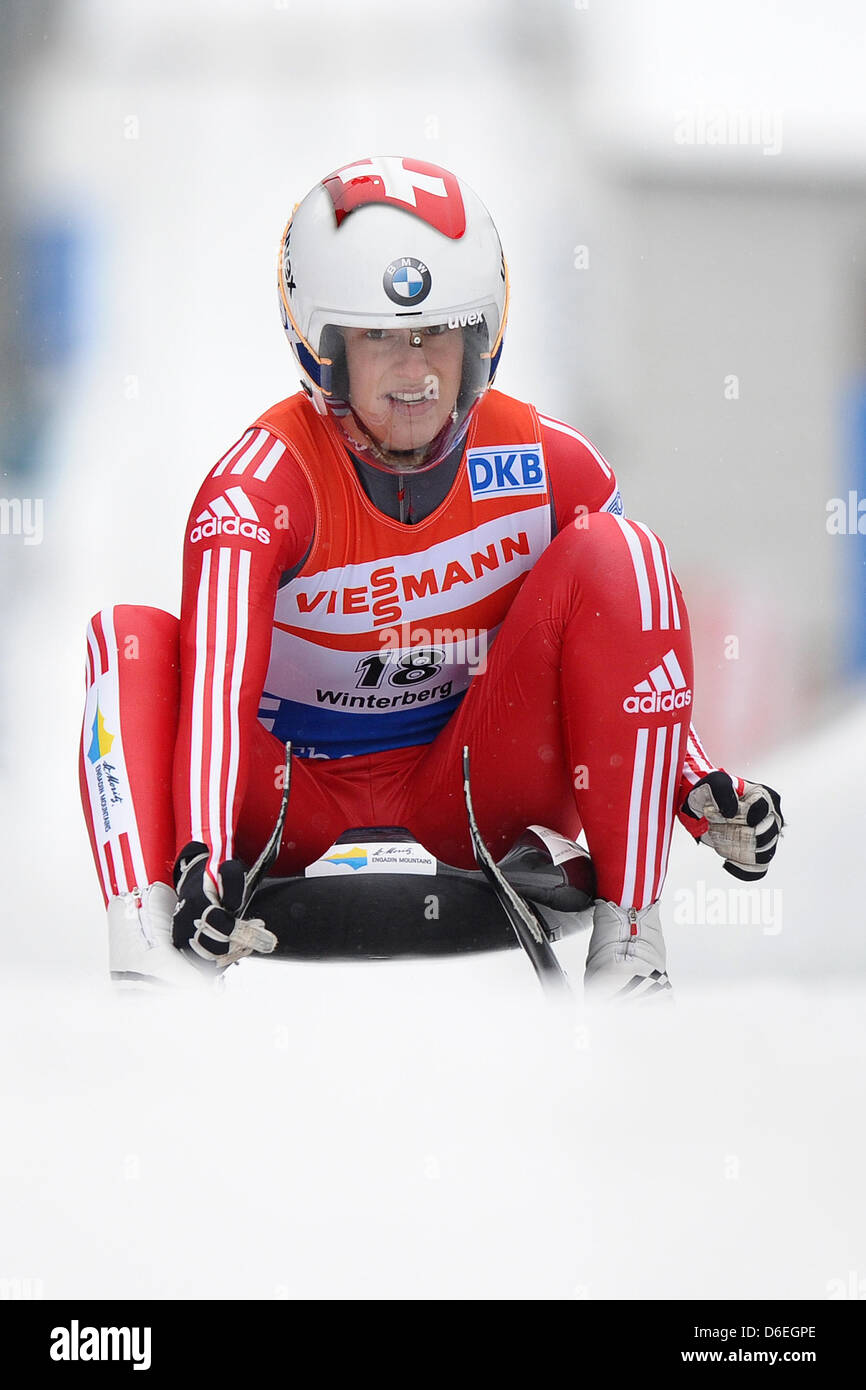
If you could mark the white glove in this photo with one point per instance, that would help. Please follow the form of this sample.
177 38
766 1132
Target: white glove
741 820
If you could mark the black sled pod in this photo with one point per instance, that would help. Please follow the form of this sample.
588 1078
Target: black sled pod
378 894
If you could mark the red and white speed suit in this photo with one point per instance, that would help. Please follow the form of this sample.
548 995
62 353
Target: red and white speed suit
524 617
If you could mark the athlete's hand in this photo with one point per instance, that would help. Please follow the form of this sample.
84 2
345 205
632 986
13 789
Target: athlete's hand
206 922
741 820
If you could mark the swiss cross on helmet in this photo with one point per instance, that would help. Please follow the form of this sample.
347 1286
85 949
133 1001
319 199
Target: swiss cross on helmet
394 295
424 189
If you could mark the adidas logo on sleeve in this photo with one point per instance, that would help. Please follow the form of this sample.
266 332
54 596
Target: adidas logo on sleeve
233 514
664 689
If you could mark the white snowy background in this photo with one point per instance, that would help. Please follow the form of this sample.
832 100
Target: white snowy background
425 1131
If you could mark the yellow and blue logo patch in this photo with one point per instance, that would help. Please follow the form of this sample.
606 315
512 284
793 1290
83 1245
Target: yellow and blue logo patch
354 858
101 740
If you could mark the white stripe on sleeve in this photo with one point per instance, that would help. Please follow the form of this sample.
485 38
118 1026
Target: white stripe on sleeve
576 434
232 454
221 661
670 809
661 577
249 453
240 652
132 834
196 752
675 608
653 813
634 821
270 461
640 572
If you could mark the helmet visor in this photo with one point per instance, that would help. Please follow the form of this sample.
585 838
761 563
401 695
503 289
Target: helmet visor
407 390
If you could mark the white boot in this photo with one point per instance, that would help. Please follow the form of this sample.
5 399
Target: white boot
140 951
626 956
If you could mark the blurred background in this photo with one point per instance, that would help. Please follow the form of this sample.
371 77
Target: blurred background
680 189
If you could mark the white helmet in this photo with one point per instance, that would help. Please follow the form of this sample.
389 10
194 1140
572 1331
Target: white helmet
403 246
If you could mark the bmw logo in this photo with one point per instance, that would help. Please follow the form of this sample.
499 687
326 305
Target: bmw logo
406 281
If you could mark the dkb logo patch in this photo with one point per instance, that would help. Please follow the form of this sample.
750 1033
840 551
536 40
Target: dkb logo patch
510 469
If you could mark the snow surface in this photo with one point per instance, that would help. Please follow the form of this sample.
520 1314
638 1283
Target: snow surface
405 1133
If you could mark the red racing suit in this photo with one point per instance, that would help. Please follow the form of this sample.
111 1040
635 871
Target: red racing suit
525 617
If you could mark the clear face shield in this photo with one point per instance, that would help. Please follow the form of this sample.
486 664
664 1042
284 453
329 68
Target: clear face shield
403 395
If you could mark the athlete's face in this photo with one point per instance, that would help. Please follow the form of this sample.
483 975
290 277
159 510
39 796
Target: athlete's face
404 382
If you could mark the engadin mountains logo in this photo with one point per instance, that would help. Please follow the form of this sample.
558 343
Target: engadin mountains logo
101 740
354 858
233 514
664 689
